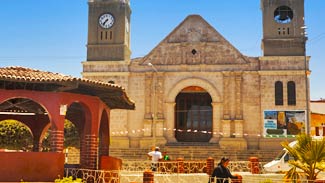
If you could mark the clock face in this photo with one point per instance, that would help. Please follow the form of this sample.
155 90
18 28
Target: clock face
106 20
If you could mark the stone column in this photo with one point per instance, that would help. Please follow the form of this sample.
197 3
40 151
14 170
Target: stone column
226 128
217 113
169 122
159 128
148 95
147 125
159 87
238 100
226 93
239 128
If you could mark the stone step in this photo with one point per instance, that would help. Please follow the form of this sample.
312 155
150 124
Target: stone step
195 153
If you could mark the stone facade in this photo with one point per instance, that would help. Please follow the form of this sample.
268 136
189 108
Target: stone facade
195 54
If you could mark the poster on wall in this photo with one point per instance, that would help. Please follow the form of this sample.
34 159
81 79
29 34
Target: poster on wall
284 123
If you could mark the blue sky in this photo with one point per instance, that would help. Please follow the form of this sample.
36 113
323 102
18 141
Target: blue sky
51 35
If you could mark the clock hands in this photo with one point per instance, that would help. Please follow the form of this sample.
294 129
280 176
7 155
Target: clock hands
104 23
106 20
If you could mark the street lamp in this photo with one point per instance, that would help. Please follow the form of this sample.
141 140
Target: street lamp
304 33
153 114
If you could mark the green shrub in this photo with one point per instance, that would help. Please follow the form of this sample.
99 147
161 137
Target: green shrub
68 180
267 181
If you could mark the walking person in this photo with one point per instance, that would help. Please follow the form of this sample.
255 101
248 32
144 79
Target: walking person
155 157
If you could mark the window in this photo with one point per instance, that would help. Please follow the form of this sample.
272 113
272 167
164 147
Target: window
106 35
283 15
278 93
291 89
194 51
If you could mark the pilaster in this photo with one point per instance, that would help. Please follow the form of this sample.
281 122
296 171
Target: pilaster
148 94
238 99
147 126
239 128
169 122
159 91
226 98
226 129
217 112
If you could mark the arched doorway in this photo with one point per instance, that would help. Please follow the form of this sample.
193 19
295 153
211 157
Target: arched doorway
193 115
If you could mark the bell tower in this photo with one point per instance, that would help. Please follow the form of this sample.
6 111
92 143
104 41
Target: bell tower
109 30
282 27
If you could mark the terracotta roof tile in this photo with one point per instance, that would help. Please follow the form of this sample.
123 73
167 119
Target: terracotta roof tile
23 74
27 74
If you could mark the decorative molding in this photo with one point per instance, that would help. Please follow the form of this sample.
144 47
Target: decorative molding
90 74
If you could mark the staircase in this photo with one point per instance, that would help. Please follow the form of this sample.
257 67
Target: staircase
195 152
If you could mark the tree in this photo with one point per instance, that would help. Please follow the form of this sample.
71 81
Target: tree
71 135
15 135
309 157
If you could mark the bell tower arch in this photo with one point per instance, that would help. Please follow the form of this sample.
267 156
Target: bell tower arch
109 30
282 27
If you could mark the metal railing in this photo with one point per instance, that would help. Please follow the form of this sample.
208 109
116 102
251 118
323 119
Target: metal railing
123 176
191 166
93 176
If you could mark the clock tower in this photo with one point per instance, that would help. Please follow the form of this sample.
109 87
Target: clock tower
282 27
108 30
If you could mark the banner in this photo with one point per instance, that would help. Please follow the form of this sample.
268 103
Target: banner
284 123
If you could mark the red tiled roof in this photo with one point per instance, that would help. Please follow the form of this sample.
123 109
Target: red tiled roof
27 74
318 101
93 87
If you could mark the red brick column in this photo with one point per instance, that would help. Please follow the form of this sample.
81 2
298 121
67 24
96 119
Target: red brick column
36 145
210 166
103 151
148 176
254 165
180 165
82 152
57 139
90 152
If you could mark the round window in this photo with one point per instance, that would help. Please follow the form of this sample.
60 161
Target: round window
283 14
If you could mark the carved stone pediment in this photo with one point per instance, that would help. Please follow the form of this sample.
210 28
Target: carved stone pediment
194 42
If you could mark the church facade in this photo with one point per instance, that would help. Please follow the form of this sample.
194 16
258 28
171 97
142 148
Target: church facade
195 87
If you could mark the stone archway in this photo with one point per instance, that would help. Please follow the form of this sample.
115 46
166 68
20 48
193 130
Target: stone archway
170 106
193 115
206 85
